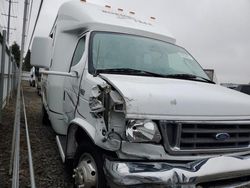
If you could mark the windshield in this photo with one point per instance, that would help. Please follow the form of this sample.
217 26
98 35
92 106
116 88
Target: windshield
121 51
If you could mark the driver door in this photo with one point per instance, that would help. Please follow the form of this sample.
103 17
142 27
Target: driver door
71 84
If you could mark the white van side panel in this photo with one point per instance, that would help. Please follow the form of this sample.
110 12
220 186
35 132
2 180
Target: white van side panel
63 50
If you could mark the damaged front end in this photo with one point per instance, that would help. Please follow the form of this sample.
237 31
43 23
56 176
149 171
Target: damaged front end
107 106
161 153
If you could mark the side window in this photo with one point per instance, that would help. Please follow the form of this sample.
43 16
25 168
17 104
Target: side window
78 52
54 36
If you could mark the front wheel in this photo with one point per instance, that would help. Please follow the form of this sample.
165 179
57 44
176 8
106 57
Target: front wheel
88 163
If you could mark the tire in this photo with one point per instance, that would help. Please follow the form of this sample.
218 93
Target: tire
45 117
89 155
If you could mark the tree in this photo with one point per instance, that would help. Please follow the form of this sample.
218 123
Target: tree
16 52
27 66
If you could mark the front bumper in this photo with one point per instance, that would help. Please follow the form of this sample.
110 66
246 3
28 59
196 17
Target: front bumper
163 174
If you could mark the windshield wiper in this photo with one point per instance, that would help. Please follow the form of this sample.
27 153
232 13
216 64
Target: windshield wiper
128 71
143 72
189 77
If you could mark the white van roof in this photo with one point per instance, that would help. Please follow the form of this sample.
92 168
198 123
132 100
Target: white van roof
81 15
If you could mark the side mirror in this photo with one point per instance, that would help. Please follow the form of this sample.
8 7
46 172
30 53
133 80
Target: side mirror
41 52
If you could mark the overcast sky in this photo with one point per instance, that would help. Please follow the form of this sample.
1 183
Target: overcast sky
215 32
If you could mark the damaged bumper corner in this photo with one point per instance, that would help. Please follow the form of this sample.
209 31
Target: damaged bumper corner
163 174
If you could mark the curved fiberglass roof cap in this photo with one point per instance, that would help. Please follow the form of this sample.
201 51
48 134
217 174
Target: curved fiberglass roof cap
78 14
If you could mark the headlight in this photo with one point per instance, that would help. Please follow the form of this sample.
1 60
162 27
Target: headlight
143 131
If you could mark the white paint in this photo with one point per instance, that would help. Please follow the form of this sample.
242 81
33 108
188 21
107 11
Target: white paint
41 52
152 97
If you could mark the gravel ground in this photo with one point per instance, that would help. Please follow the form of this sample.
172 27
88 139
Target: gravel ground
48 167
5 143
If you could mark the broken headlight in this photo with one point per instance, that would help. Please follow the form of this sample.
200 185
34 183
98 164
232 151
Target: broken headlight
143 131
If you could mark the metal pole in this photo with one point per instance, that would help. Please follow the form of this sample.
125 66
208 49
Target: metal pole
32 176
15 75
26 3
12 78
16 145
9 79
16 133
2 73
8 41
8 27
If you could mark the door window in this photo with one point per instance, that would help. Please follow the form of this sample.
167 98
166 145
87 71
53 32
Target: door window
78 52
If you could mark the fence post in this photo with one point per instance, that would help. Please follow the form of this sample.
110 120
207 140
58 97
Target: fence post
2 73
13 77
9 79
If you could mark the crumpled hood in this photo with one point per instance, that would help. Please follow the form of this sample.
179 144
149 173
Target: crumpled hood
175 99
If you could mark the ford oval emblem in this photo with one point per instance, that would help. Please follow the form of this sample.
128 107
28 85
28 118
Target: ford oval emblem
222 136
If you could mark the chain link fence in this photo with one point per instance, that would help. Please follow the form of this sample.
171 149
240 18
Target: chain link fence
8 73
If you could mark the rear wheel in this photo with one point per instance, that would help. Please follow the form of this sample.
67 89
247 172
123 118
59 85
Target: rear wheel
88 163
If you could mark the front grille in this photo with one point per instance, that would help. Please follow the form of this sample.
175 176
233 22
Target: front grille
204 137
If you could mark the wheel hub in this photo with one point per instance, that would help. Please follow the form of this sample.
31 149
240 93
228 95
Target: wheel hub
85 174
